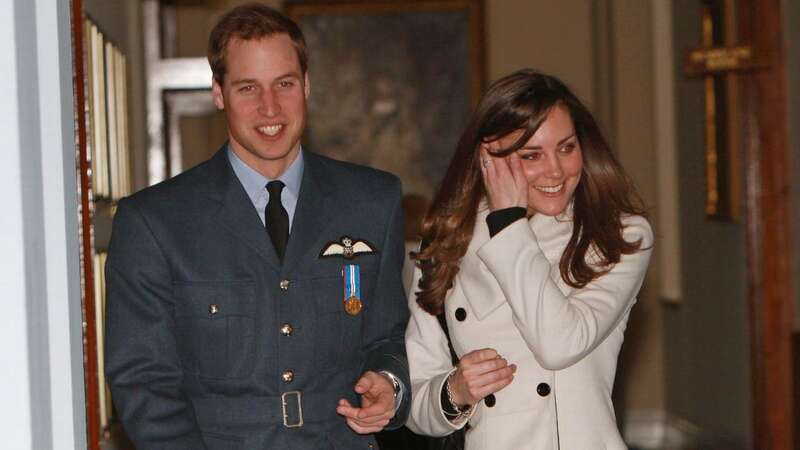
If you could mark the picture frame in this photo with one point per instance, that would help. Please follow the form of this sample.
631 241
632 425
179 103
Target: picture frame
392 82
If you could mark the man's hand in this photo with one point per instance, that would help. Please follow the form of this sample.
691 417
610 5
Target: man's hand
377 404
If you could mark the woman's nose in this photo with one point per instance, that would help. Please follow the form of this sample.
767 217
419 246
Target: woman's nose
555 170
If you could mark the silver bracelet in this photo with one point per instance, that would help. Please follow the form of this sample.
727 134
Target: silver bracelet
460 410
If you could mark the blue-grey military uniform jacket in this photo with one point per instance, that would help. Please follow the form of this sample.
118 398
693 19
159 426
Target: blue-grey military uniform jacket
212 343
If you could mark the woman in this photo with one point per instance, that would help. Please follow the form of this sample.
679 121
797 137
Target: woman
536 250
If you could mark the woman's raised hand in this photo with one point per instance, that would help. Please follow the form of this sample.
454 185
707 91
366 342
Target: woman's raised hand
478 374
504 179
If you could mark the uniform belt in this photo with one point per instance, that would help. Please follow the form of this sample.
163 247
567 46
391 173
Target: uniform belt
291 409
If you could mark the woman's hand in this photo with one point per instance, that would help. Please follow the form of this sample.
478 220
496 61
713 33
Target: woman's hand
478 374
504 180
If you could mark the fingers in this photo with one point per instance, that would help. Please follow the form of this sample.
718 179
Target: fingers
479 355
364 383
491 388
480 373
377 404
515 167
503 178
366 420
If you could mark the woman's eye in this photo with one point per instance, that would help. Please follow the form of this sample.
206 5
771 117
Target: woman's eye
532 156
569 147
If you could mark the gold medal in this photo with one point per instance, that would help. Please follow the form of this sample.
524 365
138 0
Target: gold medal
352 305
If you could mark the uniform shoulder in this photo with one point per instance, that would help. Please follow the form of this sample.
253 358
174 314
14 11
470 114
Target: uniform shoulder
354 176
172 190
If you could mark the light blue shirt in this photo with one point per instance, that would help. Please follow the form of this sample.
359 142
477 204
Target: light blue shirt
255 184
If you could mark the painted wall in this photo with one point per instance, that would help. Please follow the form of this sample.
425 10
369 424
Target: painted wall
706 341
42 404
792 41
630 104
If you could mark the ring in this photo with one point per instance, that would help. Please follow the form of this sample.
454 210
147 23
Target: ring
486 162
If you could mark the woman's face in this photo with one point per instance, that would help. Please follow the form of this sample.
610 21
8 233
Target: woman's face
551 161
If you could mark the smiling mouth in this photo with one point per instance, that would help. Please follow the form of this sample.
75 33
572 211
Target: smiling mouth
271 130
550 189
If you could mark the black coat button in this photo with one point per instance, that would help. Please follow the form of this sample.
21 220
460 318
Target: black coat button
543 389
461 314
489 400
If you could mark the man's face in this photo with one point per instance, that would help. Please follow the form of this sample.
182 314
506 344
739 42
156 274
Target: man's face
264 97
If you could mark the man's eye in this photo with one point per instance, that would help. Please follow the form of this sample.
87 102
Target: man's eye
286 84
247 88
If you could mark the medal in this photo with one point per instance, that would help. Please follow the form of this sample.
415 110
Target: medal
352 289
352 305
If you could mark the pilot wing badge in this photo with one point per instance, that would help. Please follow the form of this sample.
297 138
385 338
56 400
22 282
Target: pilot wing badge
347 248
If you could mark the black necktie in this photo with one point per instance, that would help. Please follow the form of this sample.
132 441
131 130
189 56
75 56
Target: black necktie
276 218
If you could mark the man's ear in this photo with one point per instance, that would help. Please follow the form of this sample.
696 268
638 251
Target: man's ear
216 94
306 85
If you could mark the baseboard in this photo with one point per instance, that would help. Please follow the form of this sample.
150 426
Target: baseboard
659 430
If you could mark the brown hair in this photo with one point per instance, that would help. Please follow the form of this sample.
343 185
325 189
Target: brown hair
521 101
251 21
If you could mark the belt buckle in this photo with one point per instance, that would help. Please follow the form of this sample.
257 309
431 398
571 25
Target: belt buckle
299 396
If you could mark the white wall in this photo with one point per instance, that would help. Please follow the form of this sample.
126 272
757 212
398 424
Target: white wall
41 404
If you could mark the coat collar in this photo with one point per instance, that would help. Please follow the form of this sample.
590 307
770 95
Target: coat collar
480 287
236 213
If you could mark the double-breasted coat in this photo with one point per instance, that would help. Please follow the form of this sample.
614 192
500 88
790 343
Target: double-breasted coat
509 295
212 343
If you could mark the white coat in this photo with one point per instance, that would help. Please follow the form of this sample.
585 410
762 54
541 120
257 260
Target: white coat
565 341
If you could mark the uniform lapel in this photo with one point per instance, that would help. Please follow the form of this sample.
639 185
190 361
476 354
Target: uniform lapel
315 205
236 212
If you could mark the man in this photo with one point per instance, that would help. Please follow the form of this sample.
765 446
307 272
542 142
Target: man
255 301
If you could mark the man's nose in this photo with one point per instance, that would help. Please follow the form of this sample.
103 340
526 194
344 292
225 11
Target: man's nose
269 105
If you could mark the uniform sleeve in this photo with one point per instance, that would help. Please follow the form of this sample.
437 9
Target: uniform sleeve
384 340
429 364
560 330
141 360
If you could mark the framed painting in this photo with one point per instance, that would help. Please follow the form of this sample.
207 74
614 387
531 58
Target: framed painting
392 82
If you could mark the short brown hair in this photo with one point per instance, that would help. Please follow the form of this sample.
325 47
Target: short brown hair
251 21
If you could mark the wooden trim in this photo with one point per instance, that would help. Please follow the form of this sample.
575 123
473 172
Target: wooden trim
765 143
87 260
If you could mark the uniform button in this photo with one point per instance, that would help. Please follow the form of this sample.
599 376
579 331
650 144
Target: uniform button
213 308
543 389
286 329
489 400
287 376
461 314
284 285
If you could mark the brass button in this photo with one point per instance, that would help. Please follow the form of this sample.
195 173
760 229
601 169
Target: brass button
286 329
284 285
213 308
287 376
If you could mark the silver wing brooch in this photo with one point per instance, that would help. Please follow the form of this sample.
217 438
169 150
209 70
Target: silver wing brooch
346 247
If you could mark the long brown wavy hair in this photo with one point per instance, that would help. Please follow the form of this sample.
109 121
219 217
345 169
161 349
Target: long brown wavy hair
522 101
